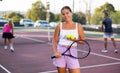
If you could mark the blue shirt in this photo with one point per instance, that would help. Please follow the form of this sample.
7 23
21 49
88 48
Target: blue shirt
107 22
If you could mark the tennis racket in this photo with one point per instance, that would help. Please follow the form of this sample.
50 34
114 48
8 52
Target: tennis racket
83 50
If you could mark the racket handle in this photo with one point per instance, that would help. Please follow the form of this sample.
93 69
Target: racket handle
53 57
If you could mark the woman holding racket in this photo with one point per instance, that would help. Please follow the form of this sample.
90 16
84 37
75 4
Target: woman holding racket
60 42
8 32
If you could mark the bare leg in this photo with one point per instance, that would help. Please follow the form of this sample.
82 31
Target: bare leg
113 41
105 43
61 70
10 42
77 70
114 44
5 42
11 45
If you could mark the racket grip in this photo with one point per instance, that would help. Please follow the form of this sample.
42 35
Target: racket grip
53 57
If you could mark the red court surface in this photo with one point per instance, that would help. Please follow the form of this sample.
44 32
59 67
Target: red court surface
32 56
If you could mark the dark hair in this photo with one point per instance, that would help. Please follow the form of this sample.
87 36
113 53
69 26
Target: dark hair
106 14
66 7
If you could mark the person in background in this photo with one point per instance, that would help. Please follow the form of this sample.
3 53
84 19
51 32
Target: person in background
8 32
108 32
60 42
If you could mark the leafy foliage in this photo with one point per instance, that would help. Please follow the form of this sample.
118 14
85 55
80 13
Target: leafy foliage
99 12
37 12
79 17
15 16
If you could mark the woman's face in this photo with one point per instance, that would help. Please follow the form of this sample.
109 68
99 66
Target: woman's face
66 15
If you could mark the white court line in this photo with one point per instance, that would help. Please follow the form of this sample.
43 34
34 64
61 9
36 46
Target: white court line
113 58
30 38
40 41
5 69
85 67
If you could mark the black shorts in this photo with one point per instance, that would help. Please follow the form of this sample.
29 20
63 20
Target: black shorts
7 35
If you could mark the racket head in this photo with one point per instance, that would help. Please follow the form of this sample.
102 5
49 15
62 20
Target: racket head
83 49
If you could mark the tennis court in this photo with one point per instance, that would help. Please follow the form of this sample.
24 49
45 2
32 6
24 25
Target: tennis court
33 51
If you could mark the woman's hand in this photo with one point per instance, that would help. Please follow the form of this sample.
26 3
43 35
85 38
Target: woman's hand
57 54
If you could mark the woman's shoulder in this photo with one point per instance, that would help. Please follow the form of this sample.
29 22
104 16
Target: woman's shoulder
59 24
5 24
79 25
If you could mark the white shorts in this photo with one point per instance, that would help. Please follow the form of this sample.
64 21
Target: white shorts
108 35
66 61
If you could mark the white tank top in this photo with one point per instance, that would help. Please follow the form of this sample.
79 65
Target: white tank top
62 38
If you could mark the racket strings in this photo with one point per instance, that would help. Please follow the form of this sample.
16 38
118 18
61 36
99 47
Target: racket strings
83 50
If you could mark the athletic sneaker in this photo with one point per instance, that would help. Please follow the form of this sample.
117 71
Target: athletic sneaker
115 51
12 49
5 47
104 50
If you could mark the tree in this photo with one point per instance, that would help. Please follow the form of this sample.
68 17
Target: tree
116 17
52 16
15 16
108 8
28 14
79 17
57 18
98 14
37 12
